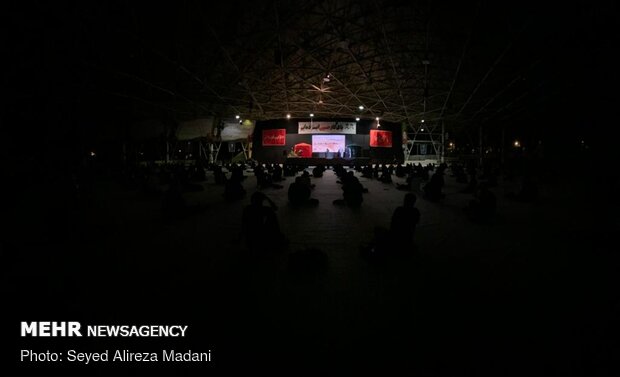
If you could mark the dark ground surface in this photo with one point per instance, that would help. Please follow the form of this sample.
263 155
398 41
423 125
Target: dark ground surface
534 292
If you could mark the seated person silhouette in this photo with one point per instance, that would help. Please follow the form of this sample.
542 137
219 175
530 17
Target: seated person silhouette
398 239
386 175
459 173
432 189
408 186
528 192
289 171
400 171
352 191
404 221
218 174
367 171
299 193
482 208
318 171
260 225
305 179
173 204
276 176
237 172
233 190
472 186
264 179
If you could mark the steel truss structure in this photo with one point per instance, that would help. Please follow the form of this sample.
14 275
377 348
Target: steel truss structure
449 64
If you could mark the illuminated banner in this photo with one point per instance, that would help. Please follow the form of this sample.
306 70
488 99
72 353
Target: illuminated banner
327 128
275 137
328 143
381 139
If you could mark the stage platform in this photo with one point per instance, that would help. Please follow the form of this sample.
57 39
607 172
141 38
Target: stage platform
314 161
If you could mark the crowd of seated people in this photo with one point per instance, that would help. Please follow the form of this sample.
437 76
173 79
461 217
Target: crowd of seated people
151 179
265 178
400 171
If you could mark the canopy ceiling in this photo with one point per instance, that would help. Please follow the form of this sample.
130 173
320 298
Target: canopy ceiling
466 62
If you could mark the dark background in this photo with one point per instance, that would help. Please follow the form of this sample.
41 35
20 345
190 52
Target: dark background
62 95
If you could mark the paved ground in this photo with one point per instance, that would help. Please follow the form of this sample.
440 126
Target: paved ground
531 291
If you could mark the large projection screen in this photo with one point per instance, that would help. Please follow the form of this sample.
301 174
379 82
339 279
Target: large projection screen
328 143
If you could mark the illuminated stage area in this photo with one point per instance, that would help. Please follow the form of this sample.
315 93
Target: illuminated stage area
327 161
329 139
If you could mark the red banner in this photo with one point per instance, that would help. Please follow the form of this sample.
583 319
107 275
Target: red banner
381 139
275 137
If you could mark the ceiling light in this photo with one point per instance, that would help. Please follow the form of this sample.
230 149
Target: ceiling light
311 115
360 107
357 119
288 116
236 116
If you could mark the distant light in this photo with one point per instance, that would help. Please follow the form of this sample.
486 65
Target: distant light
421 129
422 120
377 119
179 151
311 115
92 154
236 116
360 107
451 144
288 116
517 144
357 119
